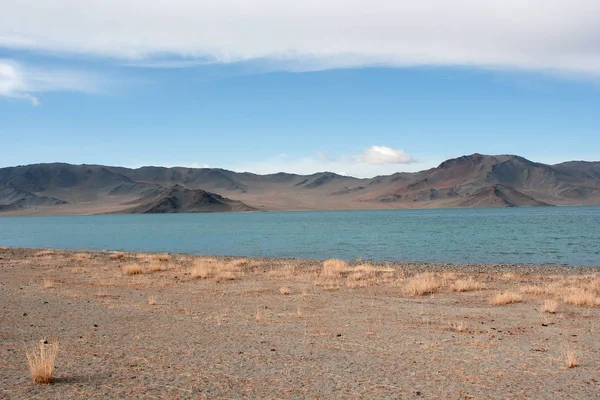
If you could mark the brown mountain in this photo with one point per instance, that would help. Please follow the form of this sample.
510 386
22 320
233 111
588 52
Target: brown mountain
470 181
179 199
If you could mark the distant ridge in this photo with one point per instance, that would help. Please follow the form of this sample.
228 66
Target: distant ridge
474 180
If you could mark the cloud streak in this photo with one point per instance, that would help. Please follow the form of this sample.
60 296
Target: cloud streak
556 35
23 81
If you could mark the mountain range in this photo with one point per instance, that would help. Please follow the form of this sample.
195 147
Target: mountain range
469 181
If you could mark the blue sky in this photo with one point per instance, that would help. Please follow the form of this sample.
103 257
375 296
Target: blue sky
241 107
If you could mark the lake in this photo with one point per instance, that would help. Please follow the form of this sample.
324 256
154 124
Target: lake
541 235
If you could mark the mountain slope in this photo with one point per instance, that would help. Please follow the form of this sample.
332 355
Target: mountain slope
469 181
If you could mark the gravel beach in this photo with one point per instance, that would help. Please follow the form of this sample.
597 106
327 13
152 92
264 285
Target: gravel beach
160 326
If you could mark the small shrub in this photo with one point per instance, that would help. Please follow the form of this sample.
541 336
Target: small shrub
152 300
133 269
41 361
505 298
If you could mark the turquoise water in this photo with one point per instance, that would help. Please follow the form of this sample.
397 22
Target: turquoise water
543 235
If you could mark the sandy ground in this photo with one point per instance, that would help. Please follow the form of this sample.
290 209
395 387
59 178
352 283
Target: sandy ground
192 327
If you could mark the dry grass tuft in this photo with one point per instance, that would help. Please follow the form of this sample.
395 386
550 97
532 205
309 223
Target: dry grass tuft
285 290
151 300
550 306
505 298
117 256
334 268
467 285
581 297
48 283
82 256
531 289
132 269
286 272
225 275
424 283
571 359
161 257
41 361
203 269
239 262
156 267
459 327
44 253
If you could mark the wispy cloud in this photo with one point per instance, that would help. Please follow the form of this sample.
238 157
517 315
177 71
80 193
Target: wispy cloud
25 81
557 35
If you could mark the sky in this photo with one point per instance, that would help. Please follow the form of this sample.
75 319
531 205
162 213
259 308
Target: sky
353 87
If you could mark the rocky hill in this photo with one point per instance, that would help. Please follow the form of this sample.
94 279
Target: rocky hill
470 181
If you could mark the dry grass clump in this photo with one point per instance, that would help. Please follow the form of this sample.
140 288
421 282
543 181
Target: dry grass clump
285 290
467 285
225 275
81 256
505 298
117 256
334 268
48 283
286 272
459 327
203 269
581 297
161 257
151 300
132 269
41 361
156 267
532 289
423 283
550 306
239 262
571 359
44 253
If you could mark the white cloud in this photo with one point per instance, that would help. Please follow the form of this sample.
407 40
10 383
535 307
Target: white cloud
345 165
560 35
385 155
20 81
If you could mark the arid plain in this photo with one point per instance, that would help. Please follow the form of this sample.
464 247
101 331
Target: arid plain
177 326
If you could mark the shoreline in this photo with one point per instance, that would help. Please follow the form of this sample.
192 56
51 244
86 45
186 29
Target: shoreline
409 266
